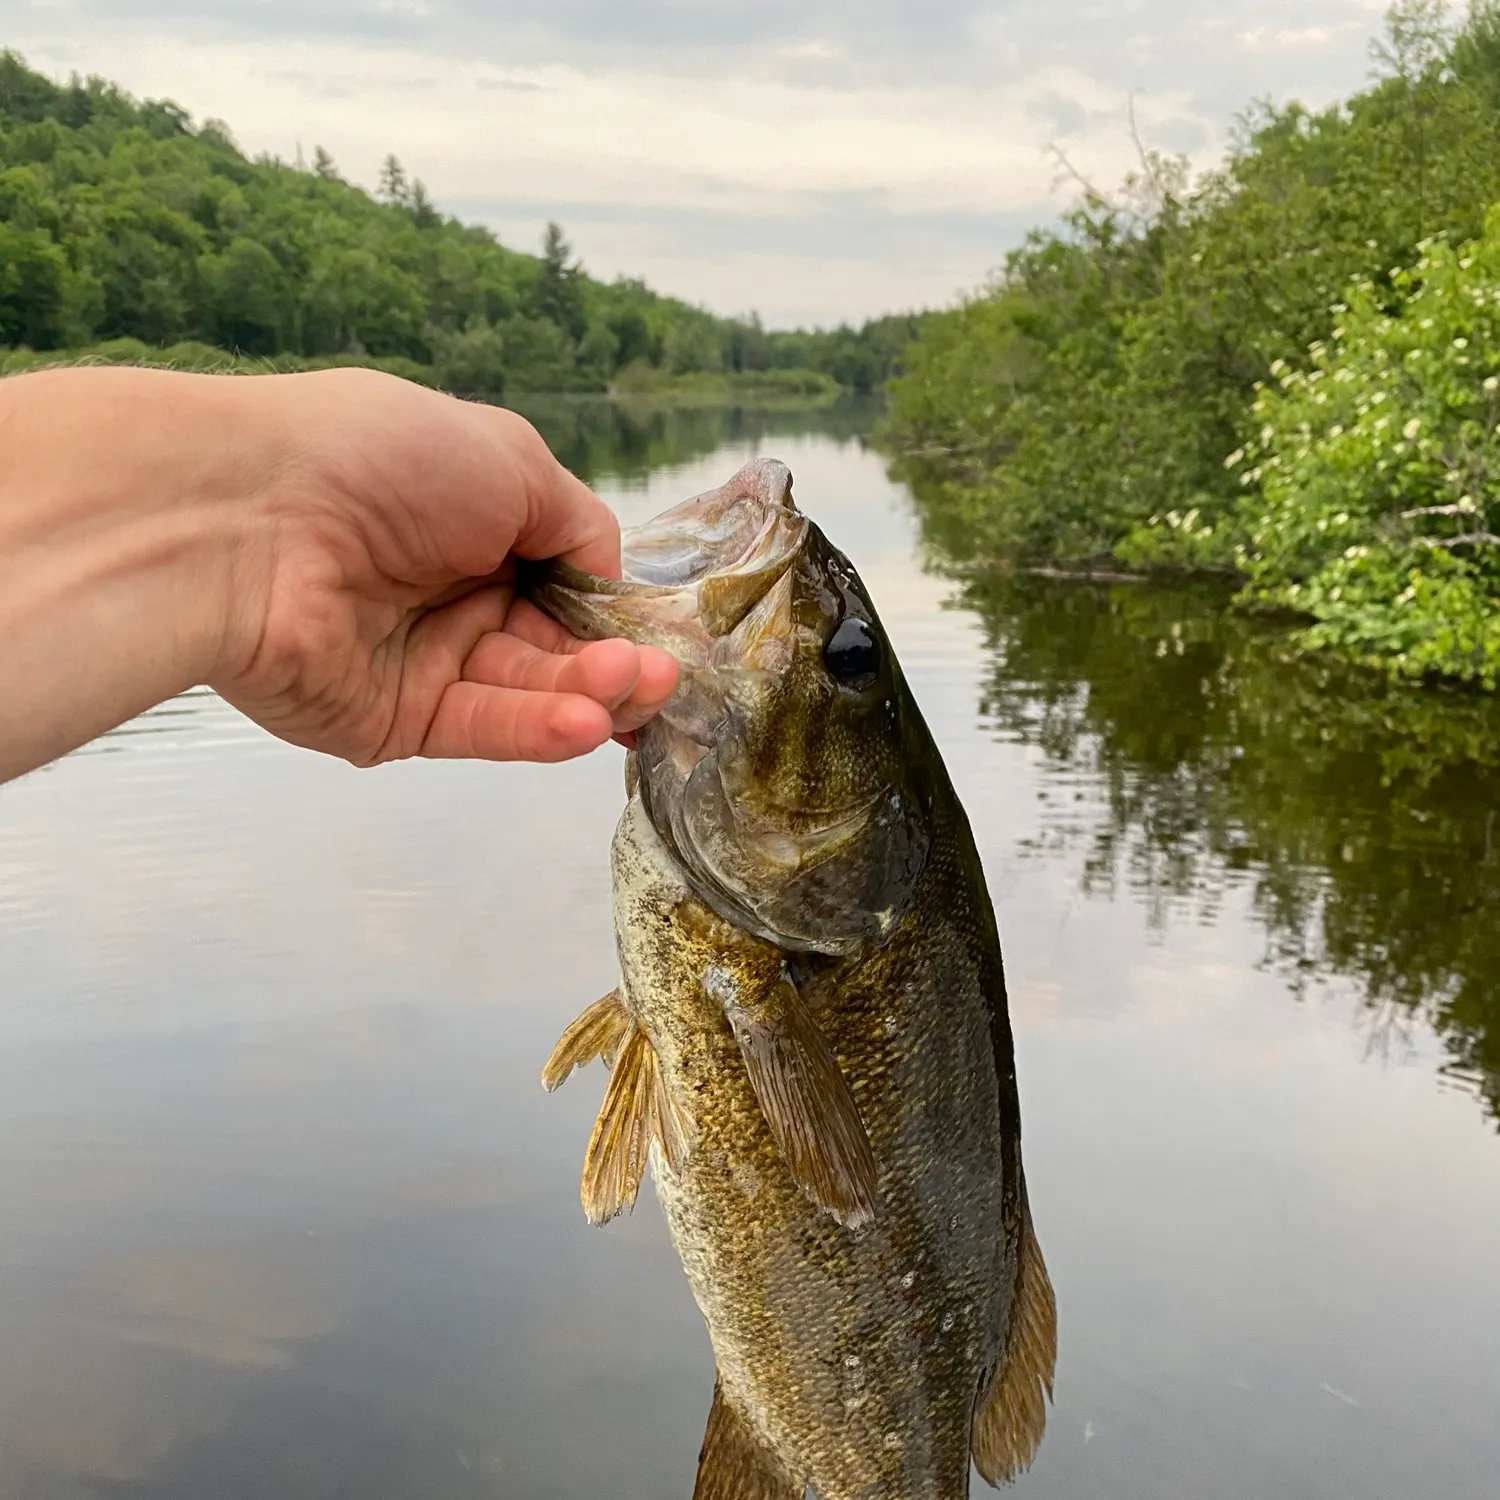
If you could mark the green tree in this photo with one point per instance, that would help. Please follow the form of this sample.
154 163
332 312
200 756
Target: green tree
693 345
33 275
559 286
1114 362
473 362
355 301
393 186
167 232
247 298
538 355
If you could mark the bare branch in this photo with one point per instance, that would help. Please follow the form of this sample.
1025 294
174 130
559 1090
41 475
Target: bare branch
1437 510
1147 165
1469 539
1068 170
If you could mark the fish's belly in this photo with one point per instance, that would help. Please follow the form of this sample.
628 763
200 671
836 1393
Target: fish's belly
856 1355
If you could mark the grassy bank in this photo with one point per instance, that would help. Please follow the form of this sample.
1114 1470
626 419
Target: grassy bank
1286 370
779 389
751 387
204 359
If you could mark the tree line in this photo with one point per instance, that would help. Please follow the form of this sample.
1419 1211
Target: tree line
1287 370
123 224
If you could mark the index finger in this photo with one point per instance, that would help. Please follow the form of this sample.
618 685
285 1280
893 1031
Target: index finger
563 516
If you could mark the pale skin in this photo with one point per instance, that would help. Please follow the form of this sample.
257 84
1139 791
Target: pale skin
332 552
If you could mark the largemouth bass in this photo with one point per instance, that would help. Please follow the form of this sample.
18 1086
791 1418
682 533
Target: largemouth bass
810 1043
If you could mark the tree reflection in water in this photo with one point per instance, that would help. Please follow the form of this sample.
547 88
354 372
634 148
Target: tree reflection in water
1361 817
599 438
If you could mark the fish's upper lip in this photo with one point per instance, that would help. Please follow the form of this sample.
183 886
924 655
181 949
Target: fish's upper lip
718 597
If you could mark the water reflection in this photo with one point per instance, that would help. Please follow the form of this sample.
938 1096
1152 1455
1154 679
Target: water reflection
1362 818
598 438
284 1211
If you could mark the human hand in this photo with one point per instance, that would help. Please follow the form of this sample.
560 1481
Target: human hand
374 611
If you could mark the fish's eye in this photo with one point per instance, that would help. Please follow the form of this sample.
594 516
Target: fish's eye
852 654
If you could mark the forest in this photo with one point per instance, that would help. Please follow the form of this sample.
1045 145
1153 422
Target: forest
129 232
1285 371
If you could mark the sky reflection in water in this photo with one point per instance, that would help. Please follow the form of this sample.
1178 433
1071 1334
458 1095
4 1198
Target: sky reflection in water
286 1213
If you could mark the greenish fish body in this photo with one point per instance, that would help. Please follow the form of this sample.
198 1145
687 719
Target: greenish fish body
810 1042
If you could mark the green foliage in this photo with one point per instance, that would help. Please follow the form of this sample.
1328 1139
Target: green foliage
123 220
1375 469
1082 409
861 359
772 388
33 281
471 362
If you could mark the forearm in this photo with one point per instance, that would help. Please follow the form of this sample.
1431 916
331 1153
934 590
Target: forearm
126 515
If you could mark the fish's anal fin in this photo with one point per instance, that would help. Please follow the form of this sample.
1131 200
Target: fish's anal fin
734 1464
1011 1415
599 1032
637 1109
805 1099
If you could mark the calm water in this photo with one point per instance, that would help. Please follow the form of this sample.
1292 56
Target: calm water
284 1212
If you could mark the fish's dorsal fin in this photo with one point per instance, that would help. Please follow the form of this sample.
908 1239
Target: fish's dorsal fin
637 1109
1012 1414
804 1097
734 1464
599 1032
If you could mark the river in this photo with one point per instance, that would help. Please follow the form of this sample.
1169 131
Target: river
285 1213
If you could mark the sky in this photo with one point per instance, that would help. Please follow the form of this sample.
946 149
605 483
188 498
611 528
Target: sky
812 160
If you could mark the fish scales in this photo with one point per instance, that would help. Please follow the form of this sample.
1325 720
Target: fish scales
828 1348
811 1038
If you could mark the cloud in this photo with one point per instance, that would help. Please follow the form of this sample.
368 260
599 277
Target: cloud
641 118
1288 39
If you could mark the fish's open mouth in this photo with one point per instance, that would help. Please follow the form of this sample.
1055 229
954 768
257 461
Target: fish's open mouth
706 563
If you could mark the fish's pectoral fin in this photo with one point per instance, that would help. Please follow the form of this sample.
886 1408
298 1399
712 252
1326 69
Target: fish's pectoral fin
807 1103
1011 1414
637 1109
599 1032
734 1464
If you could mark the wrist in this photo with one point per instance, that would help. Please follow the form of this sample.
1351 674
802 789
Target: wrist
128 522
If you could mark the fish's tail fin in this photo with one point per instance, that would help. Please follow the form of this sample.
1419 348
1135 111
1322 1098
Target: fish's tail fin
1012 1414
734 1464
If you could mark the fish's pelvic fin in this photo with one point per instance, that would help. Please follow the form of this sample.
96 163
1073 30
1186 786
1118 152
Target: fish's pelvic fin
734 1464
637 1109
615 1160
807 1103
1012 1414
599 1032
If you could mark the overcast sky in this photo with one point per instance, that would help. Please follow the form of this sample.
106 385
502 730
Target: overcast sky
812 159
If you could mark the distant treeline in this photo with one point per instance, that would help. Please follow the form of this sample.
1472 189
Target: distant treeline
123 220
1288 370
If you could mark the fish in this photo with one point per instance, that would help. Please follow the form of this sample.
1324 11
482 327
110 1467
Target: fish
810 1047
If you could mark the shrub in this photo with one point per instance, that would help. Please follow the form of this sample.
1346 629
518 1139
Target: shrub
1376 471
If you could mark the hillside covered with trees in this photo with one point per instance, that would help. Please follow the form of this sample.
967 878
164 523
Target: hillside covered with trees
129 231
1287 371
